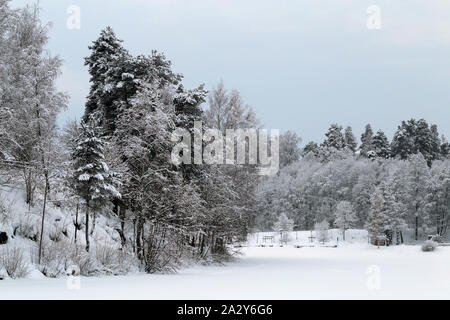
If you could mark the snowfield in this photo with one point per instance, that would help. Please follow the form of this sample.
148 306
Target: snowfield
356 271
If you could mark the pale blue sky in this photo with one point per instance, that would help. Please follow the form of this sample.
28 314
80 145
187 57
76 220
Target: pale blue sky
302 65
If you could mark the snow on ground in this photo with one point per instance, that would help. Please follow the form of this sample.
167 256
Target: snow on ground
356 271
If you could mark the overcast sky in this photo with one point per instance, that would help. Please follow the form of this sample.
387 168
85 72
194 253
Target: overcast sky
301 65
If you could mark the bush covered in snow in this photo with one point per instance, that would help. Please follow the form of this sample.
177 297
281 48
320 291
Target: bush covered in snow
58 257
112 260
53 259
437 238
13 262
429 245
27 226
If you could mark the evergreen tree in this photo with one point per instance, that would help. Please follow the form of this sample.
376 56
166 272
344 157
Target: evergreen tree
445 148
366 141
380 146
414 137
106 61
435 143
188 109
92 180
311 148
116 77
335 138
350 140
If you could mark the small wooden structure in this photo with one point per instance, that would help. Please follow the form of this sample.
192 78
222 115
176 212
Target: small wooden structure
268 238
378 242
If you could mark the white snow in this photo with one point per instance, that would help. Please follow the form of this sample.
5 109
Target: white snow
349 271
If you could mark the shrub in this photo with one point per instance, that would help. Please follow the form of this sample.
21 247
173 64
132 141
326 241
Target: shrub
58 257
28 226
429 245
163 253
13 262
437 238
83 260
55 257
112 260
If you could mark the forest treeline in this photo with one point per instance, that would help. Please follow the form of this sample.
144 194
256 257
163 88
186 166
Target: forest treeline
386 187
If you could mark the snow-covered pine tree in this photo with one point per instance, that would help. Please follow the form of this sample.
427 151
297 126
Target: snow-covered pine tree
416 136
335 138
116 77
311 149
445 148
380 146
427 142
403 144
436 143
350 140
188 109
92 180
366 141
106 65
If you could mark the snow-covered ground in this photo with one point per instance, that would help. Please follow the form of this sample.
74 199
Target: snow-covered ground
357 271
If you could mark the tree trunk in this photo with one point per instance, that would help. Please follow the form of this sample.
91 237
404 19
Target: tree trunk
417 228
43 220
87 225
76 222
93 221
138 237
202 244
122 214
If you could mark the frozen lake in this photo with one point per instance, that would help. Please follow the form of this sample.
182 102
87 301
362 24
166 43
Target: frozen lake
352 271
